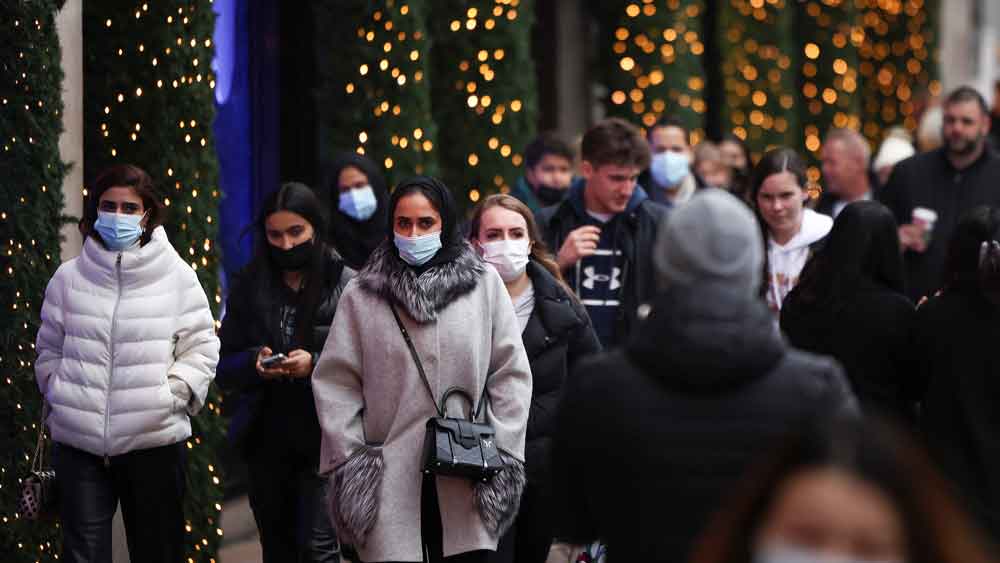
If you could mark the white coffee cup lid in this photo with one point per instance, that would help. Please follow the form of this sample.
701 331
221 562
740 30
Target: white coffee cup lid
924 214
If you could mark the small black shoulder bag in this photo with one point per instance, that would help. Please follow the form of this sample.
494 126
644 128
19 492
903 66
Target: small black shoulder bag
454 446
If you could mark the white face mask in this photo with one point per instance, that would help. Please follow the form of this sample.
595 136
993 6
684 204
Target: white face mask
786 553
509 257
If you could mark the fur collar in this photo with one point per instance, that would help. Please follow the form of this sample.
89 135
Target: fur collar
422 296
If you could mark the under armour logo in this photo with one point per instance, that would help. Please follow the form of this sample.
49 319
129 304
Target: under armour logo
593 277
487 443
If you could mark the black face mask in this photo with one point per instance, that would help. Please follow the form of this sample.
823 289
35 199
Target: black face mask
549 195
293 259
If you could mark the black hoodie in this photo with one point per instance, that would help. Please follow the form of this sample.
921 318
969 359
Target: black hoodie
651 438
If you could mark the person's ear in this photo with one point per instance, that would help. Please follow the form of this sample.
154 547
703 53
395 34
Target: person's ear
586 169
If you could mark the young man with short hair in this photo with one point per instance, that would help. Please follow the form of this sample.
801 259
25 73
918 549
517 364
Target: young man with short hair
603 232
548 172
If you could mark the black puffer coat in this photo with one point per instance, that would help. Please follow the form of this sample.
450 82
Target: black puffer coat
651 438
557 335
252 321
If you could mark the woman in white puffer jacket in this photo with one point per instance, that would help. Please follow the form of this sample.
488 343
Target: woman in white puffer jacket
126 352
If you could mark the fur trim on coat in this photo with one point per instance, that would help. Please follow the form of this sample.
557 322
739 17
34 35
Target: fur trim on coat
499 499
424 295
353 495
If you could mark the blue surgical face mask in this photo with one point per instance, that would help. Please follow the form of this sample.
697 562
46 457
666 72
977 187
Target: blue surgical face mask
358 203
669 168
416 251
118 231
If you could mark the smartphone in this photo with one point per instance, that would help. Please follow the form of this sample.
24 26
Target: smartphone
272 361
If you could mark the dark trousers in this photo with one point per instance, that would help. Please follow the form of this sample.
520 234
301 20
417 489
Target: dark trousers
431 530
529 539
150 486
288 500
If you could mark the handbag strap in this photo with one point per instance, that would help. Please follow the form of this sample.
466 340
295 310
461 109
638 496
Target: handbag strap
38 459
474 410
416 358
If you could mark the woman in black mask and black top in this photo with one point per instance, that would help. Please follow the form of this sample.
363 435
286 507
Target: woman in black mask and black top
358 197
277 318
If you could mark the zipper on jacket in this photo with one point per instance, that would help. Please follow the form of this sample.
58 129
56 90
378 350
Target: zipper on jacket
111 364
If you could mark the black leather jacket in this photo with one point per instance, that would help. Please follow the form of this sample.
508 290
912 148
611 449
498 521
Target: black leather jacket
252 321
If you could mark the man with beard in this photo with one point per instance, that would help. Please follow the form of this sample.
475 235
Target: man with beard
946 182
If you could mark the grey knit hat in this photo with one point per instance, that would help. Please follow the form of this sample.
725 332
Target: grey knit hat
712 239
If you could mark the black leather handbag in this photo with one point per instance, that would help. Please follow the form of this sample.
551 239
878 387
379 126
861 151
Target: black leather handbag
456 447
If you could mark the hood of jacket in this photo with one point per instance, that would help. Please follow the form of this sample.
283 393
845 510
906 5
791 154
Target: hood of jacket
575 198
815 226
707 338
425 294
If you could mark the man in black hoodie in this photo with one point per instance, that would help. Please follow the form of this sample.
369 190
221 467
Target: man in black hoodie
603 232
651 438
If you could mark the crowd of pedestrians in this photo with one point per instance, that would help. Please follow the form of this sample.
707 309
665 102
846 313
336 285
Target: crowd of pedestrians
650 350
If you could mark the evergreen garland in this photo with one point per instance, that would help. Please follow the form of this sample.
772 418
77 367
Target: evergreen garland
372 60
898 60
148 101
654 62
829 81
483 92
31 204
759 56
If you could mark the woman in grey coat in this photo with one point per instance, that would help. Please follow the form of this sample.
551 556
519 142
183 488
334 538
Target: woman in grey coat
373 405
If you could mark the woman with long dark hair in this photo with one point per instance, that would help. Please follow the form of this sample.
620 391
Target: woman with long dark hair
556 332
850 304
277 318
850 490
791 230
375 393
954 350
126 353
358 197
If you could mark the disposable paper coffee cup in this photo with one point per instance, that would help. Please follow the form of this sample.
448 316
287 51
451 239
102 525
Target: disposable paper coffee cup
925 218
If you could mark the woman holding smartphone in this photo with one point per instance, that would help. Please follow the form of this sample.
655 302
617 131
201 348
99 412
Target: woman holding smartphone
278 315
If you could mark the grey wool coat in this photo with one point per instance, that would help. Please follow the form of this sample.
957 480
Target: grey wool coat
373 405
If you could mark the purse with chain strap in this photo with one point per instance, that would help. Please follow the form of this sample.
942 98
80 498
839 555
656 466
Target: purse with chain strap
37 500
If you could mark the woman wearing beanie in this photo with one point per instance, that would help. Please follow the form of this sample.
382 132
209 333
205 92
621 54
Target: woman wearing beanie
126 353
778 192
358 213
954 351
282 305
850 304
651 436
556 332
374 395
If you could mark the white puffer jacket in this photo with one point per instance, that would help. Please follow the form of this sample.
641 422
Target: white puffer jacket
115 327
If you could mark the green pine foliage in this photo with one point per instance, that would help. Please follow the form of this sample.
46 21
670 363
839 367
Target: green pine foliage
31 203
829 80
898 62
483 91
654 63
374 89
148 101
759 59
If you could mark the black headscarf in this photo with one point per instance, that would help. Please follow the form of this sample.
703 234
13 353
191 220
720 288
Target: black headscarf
355 240
452 241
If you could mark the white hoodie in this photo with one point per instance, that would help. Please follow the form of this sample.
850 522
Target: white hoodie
785 262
